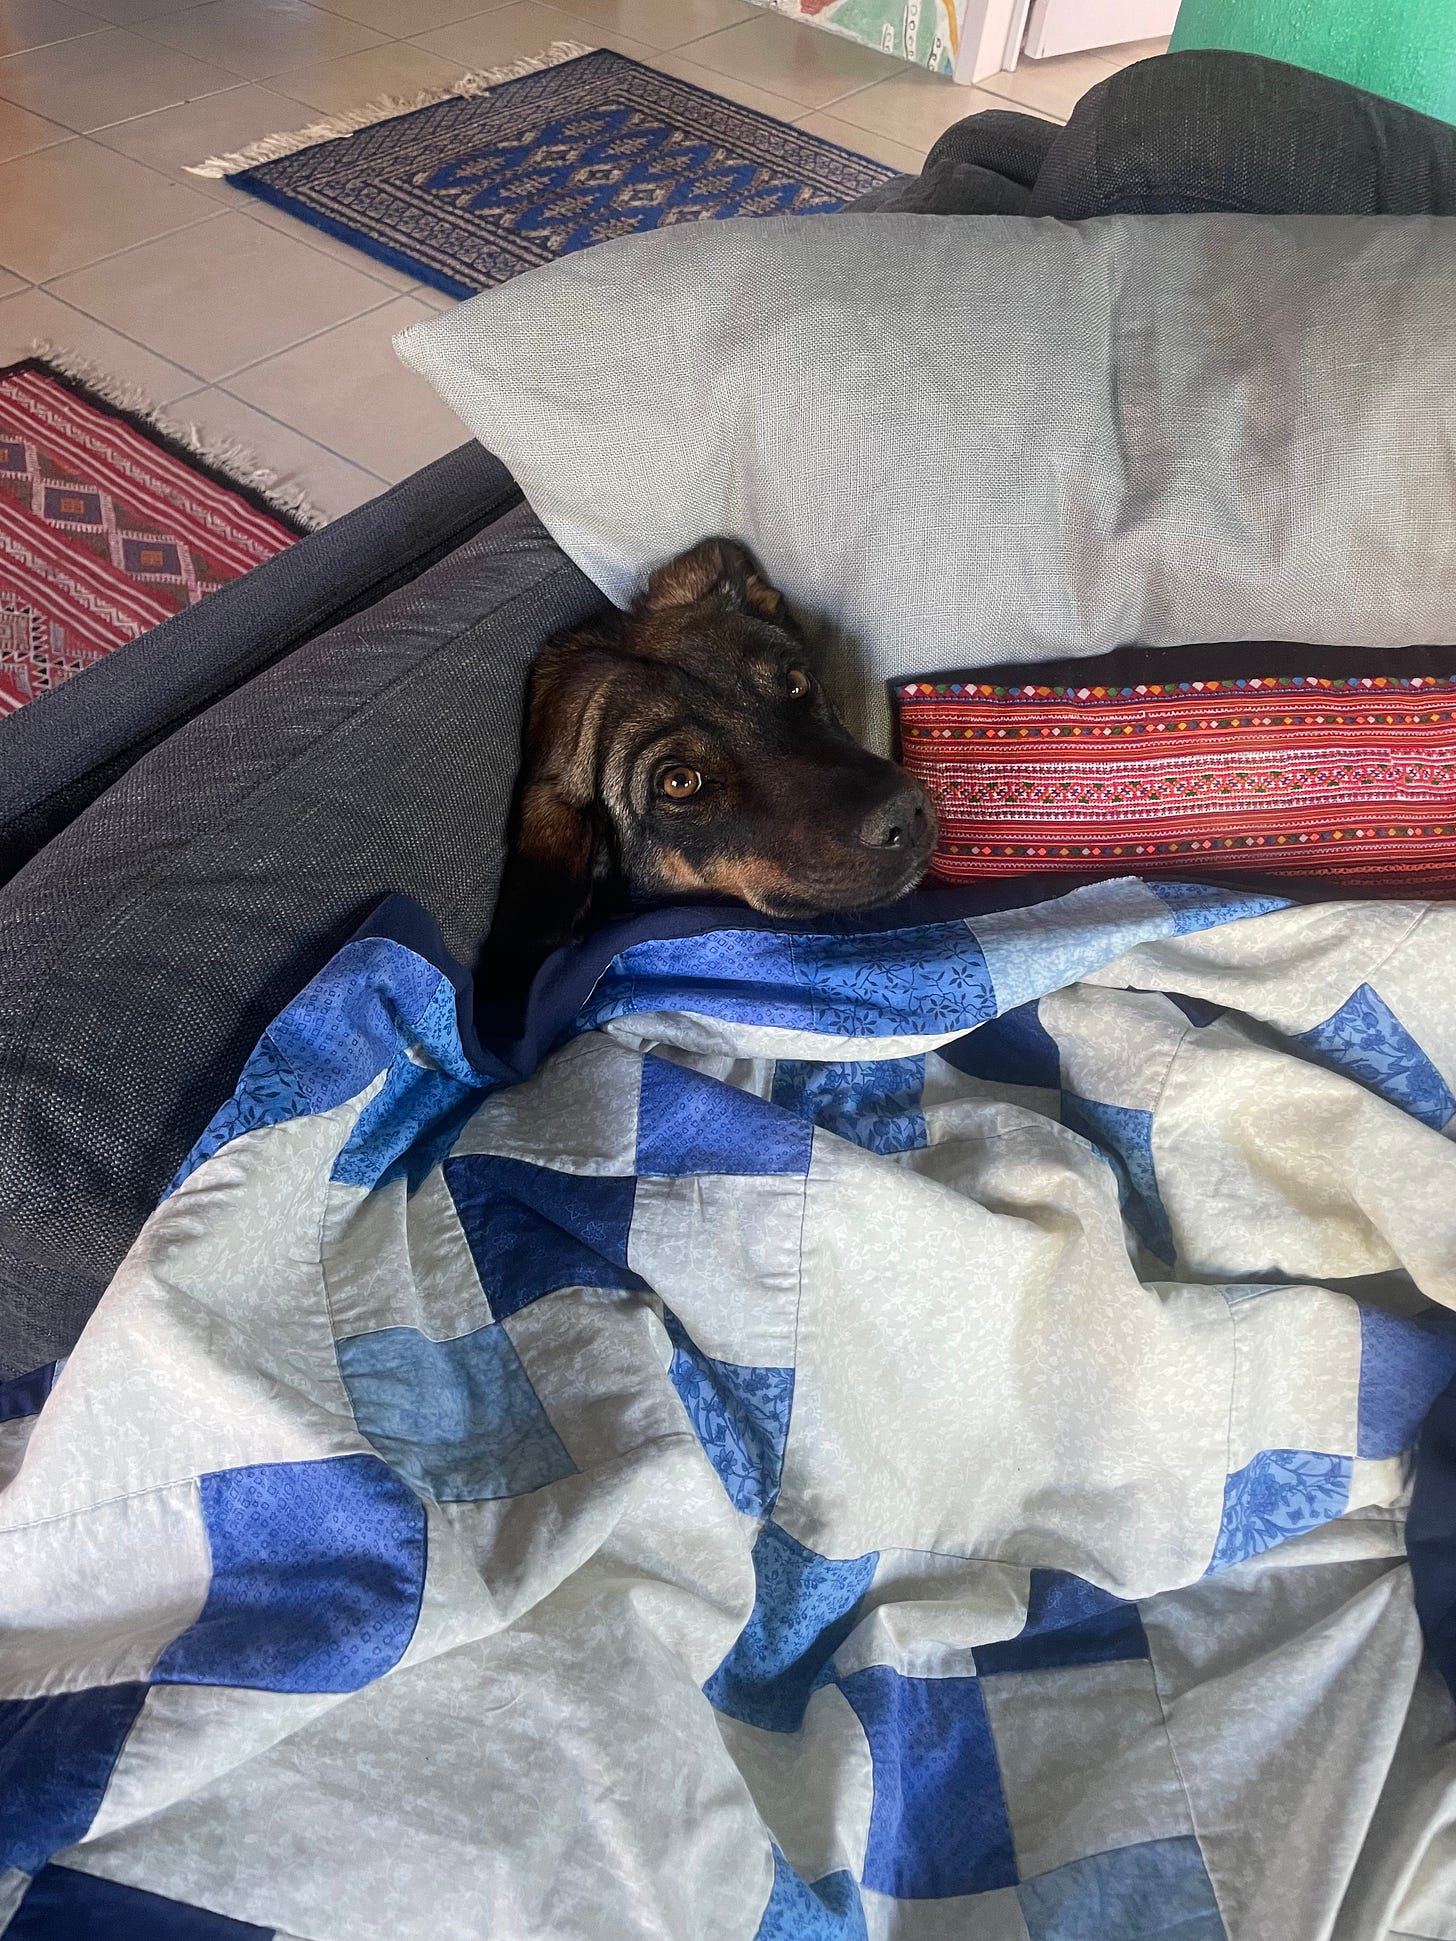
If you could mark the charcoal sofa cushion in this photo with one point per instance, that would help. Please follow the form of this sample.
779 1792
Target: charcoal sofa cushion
59 753
964 440
145 948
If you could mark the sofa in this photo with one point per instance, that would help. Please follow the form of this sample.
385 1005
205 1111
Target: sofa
184 834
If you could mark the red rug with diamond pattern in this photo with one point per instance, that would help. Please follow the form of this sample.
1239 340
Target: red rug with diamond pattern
106 529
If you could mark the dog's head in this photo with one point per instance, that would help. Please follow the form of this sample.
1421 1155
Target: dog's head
687 749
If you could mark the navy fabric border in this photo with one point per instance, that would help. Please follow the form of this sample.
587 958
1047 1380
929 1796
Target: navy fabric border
399 919
1430 1534
25 1395
568 977
62 1904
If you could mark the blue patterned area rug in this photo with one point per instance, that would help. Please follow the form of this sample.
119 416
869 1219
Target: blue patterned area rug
468 192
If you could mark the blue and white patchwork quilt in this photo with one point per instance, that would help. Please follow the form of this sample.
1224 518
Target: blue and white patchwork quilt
944 1432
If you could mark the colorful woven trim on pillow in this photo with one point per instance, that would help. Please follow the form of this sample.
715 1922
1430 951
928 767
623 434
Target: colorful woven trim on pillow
1276 760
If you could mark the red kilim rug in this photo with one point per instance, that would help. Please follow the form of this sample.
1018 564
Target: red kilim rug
106 529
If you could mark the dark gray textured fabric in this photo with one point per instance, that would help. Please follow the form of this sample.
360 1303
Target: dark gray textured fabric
986 165
143 951
1191 133
59 753
1195 132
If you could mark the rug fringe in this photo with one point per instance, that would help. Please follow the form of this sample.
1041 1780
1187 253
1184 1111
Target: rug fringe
272 148
228 456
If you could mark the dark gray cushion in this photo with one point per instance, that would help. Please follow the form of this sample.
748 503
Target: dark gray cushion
59 753
986 165
145 948
1191 133
1194 132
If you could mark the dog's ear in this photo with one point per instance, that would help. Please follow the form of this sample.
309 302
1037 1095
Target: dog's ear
557 855
714 569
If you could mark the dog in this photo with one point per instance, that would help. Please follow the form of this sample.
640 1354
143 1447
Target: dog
686 749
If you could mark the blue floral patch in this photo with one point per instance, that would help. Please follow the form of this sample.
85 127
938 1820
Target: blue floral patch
267 1094
418 1113
829 1909
873 1103
1201 906
1278 1495
1367 1041
689 1123
740 1415
1405 1363
804 1607
933 974
1124 1137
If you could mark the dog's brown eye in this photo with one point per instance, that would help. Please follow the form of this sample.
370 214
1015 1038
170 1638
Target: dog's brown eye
679 783
798 683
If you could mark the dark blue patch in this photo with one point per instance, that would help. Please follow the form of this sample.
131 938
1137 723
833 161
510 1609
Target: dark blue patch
829 1909
804 1607
1016 1049
1068 1622
56 1758
687 1123
1279 1494
1197 1010
317 1571
1154 1890
1367 1042
532 1231
740 1415
1430 1534
874 1103
1405 1363
459 1418
12 456
938 1825
63 1905
26 1394
1124 1137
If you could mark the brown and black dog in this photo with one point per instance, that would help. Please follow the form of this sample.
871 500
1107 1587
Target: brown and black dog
684 748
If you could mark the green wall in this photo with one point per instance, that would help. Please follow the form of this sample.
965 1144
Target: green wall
1402 49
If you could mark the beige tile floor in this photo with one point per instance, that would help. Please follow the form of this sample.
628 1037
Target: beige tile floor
258 328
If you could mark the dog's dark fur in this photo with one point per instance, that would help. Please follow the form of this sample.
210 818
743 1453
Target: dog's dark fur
705 680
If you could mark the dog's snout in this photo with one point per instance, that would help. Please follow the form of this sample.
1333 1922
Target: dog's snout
898 823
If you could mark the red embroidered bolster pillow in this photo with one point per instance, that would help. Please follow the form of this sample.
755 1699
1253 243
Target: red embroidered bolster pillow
1280 760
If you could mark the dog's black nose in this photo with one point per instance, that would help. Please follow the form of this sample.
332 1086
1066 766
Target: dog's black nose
896 824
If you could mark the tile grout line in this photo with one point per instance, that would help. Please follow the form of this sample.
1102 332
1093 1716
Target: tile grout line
110 256
125 337
283 425
312 336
